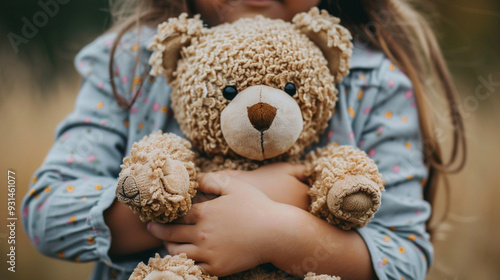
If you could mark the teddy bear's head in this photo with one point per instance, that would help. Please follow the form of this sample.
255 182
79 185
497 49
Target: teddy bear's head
256 88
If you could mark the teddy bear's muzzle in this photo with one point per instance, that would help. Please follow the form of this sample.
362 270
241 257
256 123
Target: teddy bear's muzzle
261 122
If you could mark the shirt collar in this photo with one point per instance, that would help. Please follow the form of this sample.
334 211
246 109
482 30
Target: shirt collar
365 57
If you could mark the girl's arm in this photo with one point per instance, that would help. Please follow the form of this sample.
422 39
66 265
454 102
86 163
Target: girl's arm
70 211
377 112
313 245
124 226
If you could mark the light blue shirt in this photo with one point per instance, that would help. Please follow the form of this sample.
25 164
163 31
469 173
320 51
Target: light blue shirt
376 112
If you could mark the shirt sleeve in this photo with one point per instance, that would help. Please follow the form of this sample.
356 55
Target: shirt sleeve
377 112
63 210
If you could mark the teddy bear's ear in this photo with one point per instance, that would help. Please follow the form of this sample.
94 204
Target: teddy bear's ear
333 39
172 36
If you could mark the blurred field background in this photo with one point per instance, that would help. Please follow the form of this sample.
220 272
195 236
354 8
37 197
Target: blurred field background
39 86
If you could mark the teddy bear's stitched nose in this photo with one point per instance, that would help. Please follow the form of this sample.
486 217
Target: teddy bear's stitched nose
127 190
261 115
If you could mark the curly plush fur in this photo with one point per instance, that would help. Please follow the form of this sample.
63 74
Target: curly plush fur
227 55
179 267
169 268
284 75
350 171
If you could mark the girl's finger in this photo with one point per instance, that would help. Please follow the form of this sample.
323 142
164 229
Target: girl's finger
295 170
298 171
174 233
215 183
191 250
207 268
192 216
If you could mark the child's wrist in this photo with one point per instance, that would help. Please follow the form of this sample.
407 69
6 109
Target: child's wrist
286 230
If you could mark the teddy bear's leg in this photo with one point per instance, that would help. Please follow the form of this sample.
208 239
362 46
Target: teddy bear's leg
346 186
313 276
158 179
177 267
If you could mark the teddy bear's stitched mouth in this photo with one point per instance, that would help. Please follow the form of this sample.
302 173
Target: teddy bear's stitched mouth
262 144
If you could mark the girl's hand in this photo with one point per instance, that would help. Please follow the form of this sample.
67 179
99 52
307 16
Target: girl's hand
281 182
234 232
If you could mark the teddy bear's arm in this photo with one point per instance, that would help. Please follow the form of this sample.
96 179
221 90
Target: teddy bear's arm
346 186
158 179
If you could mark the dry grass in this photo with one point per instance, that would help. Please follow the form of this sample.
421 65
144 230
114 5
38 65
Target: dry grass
468 247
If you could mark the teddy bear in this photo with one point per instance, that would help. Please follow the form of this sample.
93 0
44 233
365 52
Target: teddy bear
245 94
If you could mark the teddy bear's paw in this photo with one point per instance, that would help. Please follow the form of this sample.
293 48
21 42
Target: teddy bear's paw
160 193
178 267
353 200
175 177
163 275
313 276
172 198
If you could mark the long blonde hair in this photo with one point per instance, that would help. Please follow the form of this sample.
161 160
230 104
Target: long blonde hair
393 26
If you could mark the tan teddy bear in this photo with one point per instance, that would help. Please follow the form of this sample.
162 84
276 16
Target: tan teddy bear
246 94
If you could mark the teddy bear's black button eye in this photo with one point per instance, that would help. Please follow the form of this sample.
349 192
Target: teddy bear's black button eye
290 89
229 92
